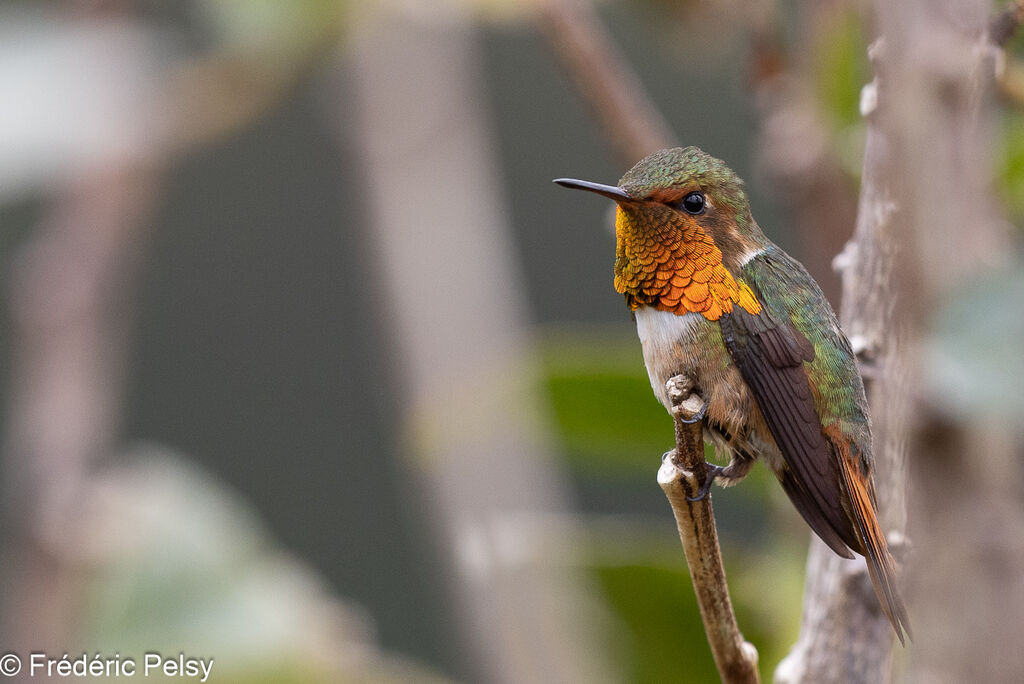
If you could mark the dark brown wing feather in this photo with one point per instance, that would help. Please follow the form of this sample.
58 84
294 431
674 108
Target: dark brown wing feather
770 356
804 505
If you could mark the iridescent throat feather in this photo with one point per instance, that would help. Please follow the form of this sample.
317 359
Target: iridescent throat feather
674 265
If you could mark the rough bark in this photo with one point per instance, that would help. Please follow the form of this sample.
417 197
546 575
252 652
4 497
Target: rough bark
912 249
967 524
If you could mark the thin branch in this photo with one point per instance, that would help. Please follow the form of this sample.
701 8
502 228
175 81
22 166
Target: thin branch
631 121
71 301
682 473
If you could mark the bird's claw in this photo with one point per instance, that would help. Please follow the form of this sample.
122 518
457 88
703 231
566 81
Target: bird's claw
713 471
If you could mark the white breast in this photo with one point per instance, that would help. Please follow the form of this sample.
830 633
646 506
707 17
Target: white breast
661 334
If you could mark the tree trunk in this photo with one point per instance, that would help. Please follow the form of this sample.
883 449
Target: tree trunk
916 248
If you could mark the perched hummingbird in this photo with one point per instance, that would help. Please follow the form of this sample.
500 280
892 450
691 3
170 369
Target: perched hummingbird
717 301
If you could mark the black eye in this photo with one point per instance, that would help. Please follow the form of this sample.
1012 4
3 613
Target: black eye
693 203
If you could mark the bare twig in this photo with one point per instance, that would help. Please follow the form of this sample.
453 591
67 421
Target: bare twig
630 120
682 473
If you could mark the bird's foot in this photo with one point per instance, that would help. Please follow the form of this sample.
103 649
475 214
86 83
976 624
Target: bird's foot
713 471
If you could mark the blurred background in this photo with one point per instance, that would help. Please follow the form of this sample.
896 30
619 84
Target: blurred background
309 368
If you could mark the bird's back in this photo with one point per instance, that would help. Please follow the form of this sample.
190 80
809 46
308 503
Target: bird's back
802 371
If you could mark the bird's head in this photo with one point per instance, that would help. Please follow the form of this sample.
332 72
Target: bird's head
683 229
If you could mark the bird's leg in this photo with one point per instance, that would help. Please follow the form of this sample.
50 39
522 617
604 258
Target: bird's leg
737 469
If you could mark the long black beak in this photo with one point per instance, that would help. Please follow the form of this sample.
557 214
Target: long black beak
609 191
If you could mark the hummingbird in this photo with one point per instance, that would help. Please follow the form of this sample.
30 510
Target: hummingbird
718 302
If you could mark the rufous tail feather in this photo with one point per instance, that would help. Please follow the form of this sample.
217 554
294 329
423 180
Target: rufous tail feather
876 551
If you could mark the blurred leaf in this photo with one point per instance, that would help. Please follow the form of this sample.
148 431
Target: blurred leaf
1011 172
767 593
64 113
502 11
666 635
609 419
287 28
841 66
606 412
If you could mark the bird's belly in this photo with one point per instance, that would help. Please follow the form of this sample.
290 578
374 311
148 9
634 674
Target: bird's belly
692 345
671 345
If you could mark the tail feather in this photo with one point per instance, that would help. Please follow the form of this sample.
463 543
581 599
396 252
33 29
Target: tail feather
876 551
